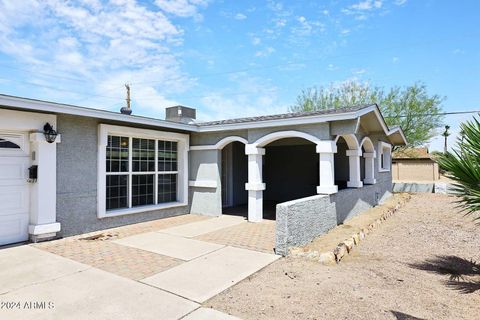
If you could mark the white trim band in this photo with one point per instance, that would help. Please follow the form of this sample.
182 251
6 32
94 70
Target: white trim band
43 228
354 153
326 146
255 186
327 189
253 149
203 183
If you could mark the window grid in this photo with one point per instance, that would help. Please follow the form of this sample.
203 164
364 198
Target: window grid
142 189
167 156
158 183
117 154
117 191
143 155
167 188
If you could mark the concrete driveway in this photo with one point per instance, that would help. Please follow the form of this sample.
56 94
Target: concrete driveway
36 284
39 285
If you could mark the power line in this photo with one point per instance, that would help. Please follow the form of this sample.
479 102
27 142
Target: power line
44 86
416 44
90 96
216 95
177 78
50 75
434 114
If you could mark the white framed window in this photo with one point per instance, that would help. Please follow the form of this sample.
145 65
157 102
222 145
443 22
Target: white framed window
140 170
385 156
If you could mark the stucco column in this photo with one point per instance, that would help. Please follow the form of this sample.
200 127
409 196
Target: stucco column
43 213
255 186
369 168
326 150
354 165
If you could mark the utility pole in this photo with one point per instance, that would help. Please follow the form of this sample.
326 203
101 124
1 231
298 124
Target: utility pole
127 110
445 134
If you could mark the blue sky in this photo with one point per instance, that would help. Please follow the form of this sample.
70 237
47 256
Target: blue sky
235 58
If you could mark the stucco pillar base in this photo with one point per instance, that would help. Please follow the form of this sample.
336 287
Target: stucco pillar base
327 189
41 231
369 181
42 237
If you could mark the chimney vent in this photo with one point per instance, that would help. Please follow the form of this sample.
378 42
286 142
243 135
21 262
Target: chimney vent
180 114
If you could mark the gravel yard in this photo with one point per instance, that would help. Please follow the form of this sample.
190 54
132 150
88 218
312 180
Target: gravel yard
416 265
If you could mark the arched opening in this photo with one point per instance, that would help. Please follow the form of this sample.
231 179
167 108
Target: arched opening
234 175
290 171
362 165
367 168
341 164
347 162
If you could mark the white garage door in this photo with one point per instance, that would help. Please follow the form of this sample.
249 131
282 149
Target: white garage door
14 188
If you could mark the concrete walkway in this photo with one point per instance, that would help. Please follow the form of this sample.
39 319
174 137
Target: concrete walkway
195 229
207 276
209 268
42 285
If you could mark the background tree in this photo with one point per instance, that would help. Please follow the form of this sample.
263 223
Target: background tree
412 108
463 166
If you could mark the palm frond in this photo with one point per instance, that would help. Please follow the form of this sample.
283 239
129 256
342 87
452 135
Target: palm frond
463 166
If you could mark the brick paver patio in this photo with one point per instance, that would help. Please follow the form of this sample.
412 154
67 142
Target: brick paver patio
254 236
96 248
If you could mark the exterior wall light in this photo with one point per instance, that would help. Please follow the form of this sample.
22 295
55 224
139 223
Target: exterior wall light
50 134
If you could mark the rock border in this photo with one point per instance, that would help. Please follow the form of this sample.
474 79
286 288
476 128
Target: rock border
346 247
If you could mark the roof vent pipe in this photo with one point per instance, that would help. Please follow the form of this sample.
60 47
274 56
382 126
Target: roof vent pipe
127 110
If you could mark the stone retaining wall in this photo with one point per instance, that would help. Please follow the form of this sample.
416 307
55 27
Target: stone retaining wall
300 221
335 255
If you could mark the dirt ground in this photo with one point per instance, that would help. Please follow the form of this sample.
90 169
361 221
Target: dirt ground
416 265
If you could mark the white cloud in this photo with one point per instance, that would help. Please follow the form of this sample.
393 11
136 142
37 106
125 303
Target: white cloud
395 59
256 97
358 71
240 16
256 41
305 28
105 43
400 2
182 8
332 67
364 9
280 23
367 5
265 52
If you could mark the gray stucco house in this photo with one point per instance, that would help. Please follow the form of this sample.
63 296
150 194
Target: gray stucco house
106 169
